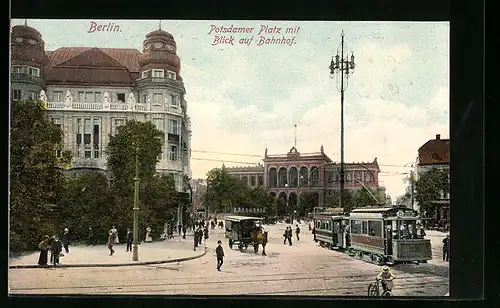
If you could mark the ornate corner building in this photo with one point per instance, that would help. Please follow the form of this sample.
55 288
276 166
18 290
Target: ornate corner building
288 175
91 91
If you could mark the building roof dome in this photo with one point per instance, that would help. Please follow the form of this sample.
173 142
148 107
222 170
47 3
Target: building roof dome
159 49
26 31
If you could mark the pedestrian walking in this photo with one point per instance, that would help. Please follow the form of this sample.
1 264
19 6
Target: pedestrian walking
129 239
195 239
111 241
44 246
205 234
179 228
297 232
200 236
314 233
65 240
55 250
91 239
184 231
115 232
446 248
219 251
289 235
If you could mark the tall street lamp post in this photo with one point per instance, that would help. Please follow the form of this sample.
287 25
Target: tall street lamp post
342 66
135 248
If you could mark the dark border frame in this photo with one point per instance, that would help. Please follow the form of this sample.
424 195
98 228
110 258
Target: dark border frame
467 146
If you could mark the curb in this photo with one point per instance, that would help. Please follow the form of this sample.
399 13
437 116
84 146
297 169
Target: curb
112 265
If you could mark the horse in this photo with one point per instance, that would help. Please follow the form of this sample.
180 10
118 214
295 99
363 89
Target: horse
259 237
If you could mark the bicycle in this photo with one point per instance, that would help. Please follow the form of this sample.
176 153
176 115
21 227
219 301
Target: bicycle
374 289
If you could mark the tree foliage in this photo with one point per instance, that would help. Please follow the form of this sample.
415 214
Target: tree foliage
34 178
429 187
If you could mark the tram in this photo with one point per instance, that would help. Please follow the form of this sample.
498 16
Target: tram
332 229
380 235
387 235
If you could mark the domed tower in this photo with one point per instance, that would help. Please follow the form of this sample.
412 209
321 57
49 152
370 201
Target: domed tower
159 52
28 59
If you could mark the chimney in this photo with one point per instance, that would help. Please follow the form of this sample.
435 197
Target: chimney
438 137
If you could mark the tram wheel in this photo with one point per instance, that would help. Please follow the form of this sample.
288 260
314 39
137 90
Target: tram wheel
372 290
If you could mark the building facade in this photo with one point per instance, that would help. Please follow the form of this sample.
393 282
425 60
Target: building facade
90 92
435 154
288 175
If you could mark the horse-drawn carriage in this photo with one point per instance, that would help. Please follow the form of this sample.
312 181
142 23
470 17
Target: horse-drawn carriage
246 231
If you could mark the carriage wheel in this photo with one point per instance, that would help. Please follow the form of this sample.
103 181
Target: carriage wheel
372 290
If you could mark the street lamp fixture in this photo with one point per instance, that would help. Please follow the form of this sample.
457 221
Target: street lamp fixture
342 67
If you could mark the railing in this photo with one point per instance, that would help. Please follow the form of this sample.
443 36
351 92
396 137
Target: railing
118 106
24 78
164 80
87 106
113 106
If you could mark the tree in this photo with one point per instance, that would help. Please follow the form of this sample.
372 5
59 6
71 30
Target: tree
223 190
34 178
429 187
307 202
142 137
404 200
333 199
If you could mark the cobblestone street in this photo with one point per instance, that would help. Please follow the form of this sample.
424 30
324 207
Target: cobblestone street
301 269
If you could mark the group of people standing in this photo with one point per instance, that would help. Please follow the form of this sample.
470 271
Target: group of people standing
200 233
289 233
55 246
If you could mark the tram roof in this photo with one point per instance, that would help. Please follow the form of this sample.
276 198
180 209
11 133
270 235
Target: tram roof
239 218
379 209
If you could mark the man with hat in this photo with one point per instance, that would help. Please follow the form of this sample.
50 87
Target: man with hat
65 240
220 255
385 276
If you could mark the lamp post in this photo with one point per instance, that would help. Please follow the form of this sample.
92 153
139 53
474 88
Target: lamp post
135 248
342 66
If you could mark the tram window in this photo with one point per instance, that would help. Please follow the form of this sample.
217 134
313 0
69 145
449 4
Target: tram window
356 226
375 228
365 227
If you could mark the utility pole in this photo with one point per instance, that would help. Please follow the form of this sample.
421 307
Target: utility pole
135 248
341 66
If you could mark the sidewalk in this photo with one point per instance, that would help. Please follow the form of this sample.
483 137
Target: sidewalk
168 251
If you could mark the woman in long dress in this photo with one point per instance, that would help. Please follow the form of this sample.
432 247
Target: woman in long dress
148 235
44 249
115 233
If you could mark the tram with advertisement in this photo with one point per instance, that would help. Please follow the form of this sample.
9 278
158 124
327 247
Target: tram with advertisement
380 235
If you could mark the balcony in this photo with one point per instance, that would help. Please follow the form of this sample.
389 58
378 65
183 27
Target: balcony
22 77
159 80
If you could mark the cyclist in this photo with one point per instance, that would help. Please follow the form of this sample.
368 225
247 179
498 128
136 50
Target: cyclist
385 276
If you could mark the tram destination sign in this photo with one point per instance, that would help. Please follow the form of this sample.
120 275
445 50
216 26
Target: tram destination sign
405 214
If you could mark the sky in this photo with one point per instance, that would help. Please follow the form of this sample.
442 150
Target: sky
244 98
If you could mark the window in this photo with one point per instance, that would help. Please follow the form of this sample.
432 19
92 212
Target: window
357 176
261 180
56 121
79 131
16 94
157 98
314 174
375 228
33 95
174 100
145 74
89 97
173 127
88 154
34 71
348 178
171 75
120 97
57 96
97 97
158 73
118 123
97 124
18 69
356 226
253 180
86 134
172 152
144 98
158 122
365 227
